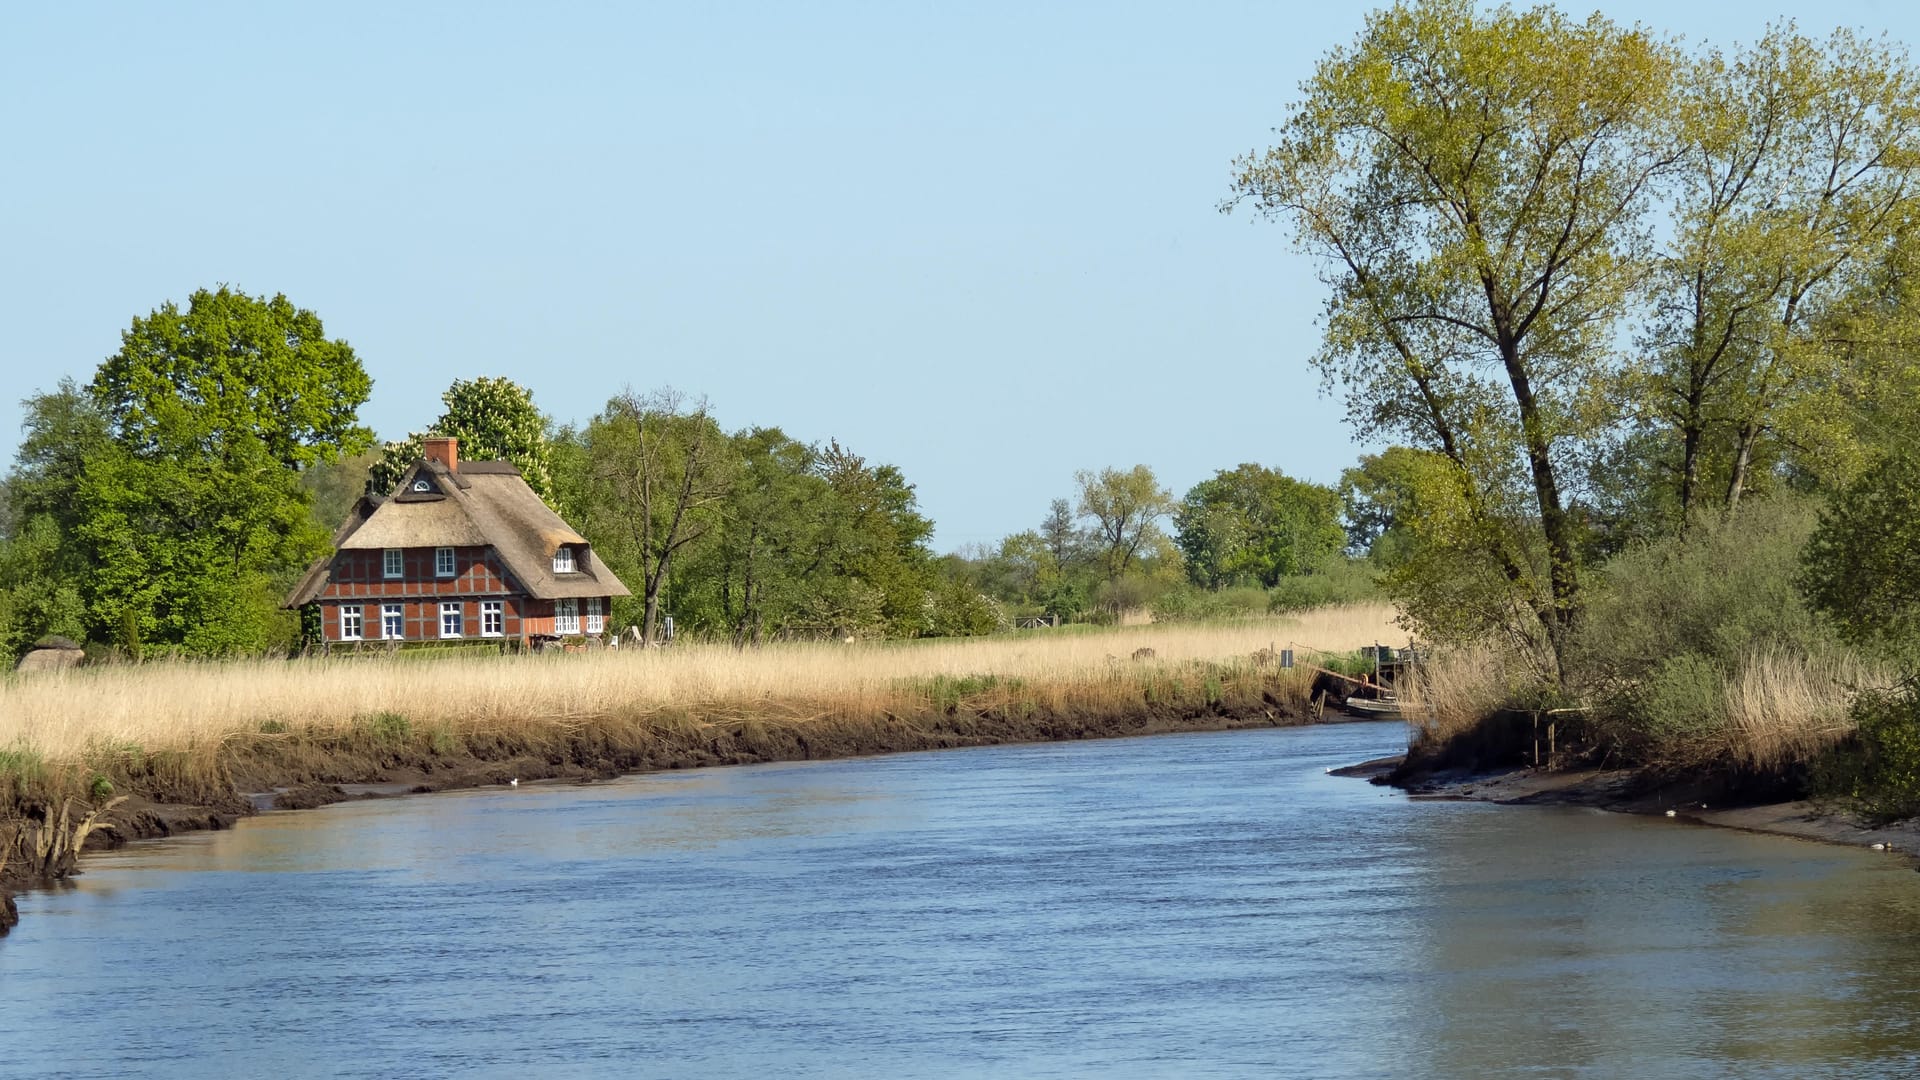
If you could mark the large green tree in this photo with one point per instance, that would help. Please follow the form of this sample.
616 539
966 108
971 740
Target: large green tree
191 515
1255 523
234 377
1474 184
1798 175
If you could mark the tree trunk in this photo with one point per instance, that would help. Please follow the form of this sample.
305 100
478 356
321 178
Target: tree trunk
1742 461
1562 560
1692 434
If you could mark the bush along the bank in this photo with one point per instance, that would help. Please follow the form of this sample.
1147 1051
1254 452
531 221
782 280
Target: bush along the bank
1878 770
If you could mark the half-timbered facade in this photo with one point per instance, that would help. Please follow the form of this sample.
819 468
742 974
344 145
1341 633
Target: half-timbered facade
458 551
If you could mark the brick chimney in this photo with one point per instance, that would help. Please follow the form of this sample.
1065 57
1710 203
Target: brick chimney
443 449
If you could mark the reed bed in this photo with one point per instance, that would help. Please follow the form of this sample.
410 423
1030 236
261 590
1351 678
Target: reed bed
1784 708
1776 709
75 716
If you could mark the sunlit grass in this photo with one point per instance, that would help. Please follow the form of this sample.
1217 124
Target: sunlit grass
196 710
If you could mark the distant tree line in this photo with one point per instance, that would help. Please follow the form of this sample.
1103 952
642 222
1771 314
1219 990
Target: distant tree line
167 506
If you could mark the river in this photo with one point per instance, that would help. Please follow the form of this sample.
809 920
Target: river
1208 905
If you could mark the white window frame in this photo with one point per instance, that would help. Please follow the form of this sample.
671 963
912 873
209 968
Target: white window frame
443 562
563 560
358 616
596 622
493 618
457 612
393 563
390 616
566 616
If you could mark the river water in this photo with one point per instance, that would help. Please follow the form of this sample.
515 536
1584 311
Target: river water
1182 906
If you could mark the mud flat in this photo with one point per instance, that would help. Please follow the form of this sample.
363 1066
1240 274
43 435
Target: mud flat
1723 802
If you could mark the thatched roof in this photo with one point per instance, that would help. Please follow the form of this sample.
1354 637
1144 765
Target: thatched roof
484 503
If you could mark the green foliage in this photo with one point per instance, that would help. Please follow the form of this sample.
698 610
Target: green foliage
1797 179
649 484
949 692
162 506
1474 183
1254 524
1335 581
21 768
237 379
389 727
792 541
1126 508
957 609
1862 563
1186 603
1879 771
100 788
334 486
495 419
1672 621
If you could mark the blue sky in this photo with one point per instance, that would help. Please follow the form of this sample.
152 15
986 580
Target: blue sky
978 242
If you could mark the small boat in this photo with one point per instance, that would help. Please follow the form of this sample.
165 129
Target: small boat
1384 710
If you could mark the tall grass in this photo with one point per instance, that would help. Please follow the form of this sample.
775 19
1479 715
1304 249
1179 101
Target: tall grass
1783 708
155 716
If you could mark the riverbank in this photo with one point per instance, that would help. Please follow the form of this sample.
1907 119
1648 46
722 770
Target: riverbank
94 758
399 771
1704 799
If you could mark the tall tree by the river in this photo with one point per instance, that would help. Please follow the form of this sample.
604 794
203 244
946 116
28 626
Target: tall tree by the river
1798 177
1474 184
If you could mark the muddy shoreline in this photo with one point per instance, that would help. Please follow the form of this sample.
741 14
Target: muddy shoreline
258 785
1701 800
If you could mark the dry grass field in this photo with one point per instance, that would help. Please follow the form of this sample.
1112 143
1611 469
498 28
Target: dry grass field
118 721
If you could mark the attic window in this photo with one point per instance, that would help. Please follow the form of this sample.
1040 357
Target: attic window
421 484
563 561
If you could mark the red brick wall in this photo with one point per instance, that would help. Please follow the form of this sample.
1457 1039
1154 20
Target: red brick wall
422 617
358 580
357 574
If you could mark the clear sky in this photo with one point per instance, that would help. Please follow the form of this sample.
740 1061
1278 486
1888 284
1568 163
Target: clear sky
979 242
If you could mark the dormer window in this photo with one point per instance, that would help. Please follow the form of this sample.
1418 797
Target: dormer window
421 484
563 561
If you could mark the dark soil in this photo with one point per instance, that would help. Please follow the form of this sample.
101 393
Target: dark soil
1727 799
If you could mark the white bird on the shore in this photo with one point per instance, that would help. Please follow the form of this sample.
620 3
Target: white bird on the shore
1879 847
513 782
1671 814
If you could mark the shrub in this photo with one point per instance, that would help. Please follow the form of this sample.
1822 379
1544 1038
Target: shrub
1338 581
389 727
1186 603
1674 626
1878 771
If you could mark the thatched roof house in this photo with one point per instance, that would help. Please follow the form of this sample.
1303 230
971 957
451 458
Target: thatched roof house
458 550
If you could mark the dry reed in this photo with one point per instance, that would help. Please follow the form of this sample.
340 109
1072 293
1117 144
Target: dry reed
1460 686
70 716
1784 707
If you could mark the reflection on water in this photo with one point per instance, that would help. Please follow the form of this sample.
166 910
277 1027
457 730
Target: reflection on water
1206 905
